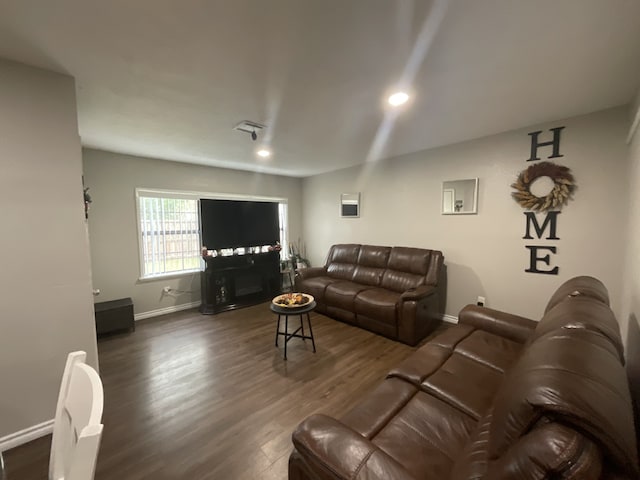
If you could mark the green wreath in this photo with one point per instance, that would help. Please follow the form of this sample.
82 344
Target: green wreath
560 195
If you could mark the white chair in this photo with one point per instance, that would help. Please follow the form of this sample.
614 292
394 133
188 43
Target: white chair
77 429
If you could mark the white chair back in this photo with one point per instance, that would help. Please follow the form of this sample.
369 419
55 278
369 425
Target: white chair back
77 427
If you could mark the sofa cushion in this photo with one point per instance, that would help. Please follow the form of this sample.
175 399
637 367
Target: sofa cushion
400 281
321 443
342 261
422 363
374 256
581 313
341 271
344 253
369 276
452 336
431 430
491 350
407 268
410 260
426 436
573 377
430 357
464 384
341 294
379 406
378 303
447 369
583 286
316 286
372 263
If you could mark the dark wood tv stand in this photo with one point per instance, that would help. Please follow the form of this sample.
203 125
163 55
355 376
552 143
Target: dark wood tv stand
239 280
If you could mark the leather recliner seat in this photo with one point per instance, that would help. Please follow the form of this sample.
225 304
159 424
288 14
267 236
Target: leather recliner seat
497 396
397 292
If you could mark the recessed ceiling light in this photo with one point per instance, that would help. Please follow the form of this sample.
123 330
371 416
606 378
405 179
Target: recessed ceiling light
264 153
398 99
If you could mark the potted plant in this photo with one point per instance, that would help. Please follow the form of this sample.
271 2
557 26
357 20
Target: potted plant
297 254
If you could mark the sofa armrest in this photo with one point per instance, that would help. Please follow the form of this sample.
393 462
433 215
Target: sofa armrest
510 326
334 451
306 273
418 293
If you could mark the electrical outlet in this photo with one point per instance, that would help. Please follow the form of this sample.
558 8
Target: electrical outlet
480 301
166 290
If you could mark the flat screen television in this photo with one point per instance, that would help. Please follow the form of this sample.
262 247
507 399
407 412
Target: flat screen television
237 223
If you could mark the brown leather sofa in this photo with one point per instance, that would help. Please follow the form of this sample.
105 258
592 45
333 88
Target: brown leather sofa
495 397
397 292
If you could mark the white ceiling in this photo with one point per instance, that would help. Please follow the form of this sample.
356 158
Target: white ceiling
169 79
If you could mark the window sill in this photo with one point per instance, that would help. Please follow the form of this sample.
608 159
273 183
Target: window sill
166 276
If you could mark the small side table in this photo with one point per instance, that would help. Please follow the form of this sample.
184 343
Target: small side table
286 313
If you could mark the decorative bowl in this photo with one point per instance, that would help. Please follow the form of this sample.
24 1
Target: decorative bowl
292 300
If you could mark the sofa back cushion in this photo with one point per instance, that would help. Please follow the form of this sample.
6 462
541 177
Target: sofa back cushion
372 262
407 268
342 260
397 269
583 286
573 377
581 312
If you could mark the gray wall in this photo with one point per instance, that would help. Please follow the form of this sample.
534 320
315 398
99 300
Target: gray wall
113 233
47 307
485 253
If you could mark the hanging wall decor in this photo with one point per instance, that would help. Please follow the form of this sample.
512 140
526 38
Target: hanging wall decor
559 196
542 211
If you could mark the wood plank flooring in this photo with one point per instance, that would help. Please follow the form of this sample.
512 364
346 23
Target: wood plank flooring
189 396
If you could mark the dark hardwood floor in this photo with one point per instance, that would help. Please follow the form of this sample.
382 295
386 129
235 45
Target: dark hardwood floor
195 397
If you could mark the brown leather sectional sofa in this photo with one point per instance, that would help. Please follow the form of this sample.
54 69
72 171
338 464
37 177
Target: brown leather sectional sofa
495 397
398 292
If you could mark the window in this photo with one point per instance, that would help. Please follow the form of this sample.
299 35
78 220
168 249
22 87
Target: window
169 229
169 233
282 214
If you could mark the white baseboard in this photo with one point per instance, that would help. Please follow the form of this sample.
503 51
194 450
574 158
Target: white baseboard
164 311
449 319
24 436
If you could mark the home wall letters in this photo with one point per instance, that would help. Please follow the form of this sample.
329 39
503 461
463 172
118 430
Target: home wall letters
537 226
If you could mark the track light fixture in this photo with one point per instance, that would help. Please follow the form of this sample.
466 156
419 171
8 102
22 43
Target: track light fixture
252 128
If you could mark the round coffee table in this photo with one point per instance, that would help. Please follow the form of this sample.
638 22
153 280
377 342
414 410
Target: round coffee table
286 313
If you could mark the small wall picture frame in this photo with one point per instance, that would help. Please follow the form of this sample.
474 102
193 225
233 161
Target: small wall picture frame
350 205
460 197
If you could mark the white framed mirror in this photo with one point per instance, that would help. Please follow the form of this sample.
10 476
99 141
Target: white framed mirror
460 197
350 205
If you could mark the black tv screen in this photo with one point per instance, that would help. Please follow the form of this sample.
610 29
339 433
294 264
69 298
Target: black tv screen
235 223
